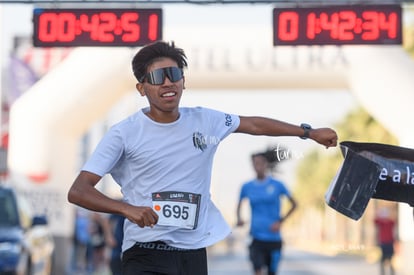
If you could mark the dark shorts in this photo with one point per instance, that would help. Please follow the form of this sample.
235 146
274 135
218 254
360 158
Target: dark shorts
387 251
161 259
265 254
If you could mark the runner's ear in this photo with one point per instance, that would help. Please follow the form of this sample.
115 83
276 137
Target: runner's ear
140 88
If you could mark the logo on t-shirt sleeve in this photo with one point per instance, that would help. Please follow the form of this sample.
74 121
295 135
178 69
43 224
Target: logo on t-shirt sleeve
228 120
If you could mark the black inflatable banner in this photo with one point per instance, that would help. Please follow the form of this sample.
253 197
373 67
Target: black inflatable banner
371 170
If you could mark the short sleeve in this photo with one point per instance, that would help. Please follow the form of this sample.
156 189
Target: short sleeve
107 153
223 123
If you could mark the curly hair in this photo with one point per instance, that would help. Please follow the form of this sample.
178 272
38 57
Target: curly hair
153 52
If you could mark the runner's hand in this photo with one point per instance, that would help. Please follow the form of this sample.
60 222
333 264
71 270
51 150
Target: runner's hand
142 215
324 136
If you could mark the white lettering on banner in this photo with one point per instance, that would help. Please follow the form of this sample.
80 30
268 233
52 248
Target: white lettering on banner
398 176
277 59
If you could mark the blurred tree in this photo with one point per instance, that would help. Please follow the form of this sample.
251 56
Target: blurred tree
408 30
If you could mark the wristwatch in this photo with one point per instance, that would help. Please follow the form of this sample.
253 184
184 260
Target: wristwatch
306 128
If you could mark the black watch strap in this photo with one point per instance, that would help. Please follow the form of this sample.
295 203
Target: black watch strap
306 128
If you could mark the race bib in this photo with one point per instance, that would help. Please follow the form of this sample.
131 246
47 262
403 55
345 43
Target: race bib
178 209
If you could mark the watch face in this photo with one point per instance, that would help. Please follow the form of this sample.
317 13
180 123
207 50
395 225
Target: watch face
306 126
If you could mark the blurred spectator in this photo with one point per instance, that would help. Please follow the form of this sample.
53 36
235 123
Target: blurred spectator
101 238
117 226
79 259
385 225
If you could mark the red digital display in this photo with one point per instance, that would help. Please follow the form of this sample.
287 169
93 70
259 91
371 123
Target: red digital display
337 25
96 27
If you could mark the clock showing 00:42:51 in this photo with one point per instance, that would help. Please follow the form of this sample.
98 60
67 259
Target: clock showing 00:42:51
96 27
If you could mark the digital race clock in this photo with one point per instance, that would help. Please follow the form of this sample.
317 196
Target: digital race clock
96 27
337 25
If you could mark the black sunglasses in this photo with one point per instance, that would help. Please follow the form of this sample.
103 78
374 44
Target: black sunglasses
157 77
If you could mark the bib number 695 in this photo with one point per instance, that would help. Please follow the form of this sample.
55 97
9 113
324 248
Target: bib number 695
175 211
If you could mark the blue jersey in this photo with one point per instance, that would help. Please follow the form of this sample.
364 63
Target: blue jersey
264 197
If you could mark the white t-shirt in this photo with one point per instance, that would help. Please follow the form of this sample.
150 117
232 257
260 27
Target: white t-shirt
167 166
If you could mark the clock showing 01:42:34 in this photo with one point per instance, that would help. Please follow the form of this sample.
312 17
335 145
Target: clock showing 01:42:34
337 25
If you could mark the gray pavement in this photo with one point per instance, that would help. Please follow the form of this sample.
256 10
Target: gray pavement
294 262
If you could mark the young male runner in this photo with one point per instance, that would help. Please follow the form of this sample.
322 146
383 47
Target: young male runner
161 156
